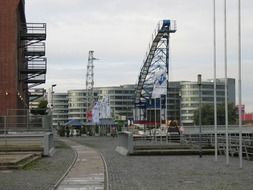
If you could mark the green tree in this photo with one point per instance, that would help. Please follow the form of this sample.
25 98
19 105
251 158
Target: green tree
41 109
207 114
43 104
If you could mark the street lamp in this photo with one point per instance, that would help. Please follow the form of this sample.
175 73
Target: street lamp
200 130
52 96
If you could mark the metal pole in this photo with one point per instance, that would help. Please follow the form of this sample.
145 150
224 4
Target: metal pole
5 131
155 120
52 104
240 82
135 114
167 73
146 119
150 115
214 79
200 130
155 113
160 117
27 118
226 80
160 110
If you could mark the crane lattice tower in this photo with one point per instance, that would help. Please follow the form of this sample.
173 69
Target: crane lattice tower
90 82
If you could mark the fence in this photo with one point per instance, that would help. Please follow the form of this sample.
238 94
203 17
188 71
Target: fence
128 141
22 131
25 123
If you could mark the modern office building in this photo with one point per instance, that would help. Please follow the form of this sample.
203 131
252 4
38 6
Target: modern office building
21 56
173 101
191 96
77 104
73 104
60 109
121 100
183 100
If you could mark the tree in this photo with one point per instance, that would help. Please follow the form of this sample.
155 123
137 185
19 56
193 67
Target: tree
207 114
41 109
43 104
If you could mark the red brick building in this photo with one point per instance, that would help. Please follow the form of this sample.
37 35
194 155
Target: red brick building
15 61
12 95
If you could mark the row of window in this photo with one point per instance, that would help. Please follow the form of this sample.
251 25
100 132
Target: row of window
196 92
187 117
204 99
77 110
121 103
124 109
108 92
60 106
187 111
77 105
75 99
119 92
77 115
60 117
203 86
80 94
60 111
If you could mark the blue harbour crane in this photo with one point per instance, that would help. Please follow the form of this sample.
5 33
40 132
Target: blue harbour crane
156 58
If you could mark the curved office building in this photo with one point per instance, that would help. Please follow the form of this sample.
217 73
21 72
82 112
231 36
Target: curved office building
121 100
60 109
190 97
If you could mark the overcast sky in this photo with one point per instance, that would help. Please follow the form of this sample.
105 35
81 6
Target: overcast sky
119 32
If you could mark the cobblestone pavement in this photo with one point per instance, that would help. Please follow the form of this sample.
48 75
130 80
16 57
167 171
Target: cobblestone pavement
41 174
170 172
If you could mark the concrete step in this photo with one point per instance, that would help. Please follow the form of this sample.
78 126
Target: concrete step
173 152
162 146
20 148
17 160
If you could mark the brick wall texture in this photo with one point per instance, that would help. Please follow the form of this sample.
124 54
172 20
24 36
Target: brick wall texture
11 87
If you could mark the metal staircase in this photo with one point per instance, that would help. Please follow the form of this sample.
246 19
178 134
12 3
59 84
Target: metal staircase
34 69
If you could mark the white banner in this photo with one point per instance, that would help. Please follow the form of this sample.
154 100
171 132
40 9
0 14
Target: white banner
101 109
160 84
95 113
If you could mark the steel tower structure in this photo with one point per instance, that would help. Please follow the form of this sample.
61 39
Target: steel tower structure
90 83
156 58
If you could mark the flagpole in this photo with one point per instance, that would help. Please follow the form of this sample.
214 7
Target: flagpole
240 82
226 80
160 110
214 76
150 114
167 79
160 117
155 113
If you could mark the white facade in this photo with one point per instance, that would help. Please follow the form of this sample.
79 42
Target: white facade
60 109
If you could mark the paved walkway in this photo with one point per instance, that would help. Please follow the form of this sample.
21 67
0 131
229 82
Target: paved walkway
87 172
170 172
